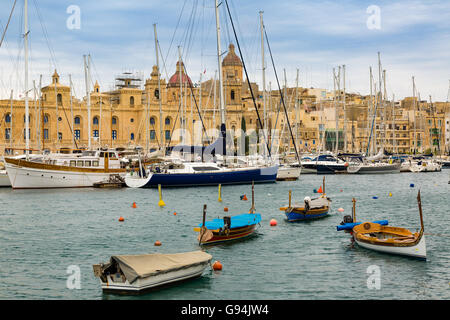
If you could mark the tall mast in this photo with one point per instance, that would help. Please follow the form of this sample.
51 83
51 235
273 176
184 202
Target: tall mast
380 96
345 116
221 97
11 123
56 111
297 109
38 116
263 63
414 114
384 108
369 111
88 97
159 90
71 110
181 96
394 142
27 112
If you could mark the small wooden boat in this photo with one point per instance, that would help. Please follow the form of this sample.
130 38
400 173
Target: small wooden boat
311 209
114 181
229 228
136 273
394 240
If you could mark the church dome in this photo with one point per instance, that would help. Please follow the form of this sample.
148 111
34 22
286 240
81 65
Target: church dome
174 80
231 58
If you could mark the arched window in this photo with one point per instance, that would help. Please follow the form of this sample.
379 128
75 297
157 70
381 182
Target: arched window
156 93
232 94
114 120
46 118
8 118
59 98
95 120
152 120
77 120
131 120
131 101
132 136
167 121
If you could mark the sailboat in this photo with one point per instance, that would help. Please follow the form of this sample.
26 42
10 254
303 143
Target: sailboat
190 173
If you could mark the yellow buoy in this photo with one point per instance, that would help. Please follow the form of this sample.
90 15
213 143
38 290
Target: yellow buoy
390 194
220 193
161 202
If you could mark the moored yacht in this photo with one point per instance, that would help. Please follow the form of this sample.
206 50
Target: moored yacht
64 170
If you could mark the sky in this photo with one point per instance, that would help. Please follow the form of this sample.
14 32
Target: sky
412 36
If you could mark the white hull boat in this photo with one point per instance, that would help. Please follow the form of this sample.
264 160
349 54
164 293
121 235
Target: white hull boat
137 273
288 173
4 179
63 172
374 168
417 251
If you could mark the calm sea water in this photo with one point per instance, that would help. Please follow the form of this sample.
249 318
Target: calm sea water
43 232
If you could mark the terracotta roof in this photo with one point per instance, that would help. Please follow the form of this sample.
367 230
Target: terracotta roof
174 80
231 59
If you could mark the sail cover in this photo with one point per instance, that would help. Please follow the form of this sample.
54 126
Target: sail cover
145 265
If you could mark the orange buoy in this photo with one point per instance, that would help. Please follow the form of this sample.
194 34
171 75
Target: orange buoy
244 197
341 209
134 205
157 243
225 209
217 265
320 190
273 223
174 213
121 219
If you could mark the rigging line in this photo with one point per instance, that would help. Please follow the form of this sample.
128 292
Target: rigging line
44 30
156 137
282 99
173 128
248 79
195 102
176 28
7 24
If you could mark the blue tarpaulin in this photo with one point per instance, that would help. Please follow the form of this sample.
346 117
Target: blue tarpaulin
242 220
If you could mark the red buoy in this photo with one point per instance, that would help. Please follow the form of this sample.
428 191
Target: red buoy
273 223
134 205
121 219
217 266
157 243
225 209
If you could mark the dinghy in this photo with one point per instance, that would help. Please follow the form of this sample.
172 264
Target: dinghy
229 228
393 240
136 273
311 209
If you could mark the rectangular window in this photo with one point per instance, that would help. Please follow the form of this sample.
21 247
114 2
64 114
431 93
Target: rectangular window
167 135
114 134
46 134
73 163
87 163
79 163
60 135
7 133
152 135
95 163
77 134
95 133
24 134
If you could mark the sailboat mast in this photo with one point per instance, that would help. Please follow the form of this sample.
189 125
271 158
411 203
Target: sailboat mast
263 63
345 114
11 123
71 109
159 89
88 97
297 109
27 112
414 113
221 97
182 119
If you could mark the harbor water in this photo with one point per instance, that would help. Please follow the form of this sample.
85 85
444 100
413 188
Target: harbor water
47 234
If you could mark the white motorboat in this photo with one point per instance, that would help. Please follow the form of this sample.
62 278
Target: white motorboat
373 168
4 179
288 172
63 170
136 273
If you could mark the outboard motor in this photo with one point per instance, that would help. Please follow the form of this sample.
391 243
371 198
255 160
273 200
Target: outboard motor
307 201
347 219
